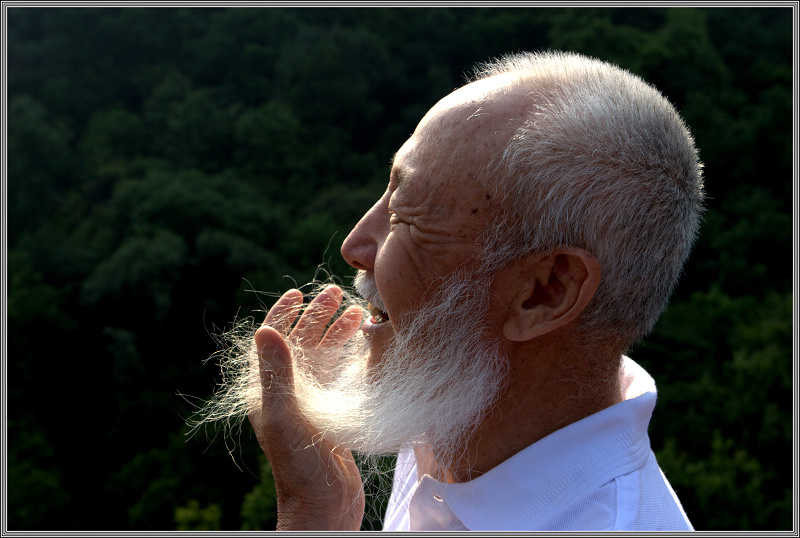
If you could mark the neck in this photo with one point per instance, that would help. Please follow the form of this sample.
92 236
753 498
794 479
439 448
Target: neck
551 385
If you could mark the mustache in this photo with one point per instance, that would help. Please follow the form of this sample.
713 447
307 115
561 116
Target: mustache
367 288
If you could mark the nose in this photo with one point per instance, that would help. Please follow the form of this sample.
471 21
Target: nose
360 248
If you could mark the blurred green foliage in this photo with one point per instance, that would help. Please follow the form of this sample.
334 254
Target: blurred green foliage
259 506
165 162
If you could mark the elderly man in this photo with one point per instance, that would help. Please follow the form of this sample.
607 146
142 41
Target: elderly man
533 228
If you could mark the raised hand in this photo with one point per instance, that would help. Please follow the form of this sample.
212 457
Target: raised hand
318 484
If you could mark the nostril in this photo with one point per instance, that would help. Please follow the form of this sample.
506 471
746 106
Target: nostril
357 265
361 257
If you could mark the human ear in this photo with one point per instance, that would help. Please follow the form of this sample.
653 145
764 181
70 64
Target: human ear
552 290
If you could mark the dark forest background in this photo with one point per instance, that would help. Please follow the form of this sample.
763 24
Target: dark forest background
164 162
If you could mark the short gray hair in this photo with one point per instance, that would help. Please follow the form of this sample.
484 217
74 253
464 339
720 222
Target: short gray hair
603 162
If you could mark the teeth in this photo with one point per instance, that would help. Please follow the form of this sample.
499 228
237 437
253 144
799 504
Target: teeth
372 310
379 315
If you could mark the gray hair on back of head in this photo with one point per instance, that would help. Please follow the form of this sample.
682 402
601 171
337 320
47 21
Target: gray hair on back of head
603 162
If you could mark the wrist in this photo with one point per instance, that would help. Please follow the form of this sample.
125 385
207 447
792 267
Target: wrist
319 514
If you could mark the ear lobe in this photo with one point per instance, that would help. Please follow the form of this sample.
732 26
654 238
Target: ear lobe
552 291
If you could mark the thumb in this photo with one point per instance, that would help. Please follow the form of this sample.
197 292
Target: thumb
277 422
275 372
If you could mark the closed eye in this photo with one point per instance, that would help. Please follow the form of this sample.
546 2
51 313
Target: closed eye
394 219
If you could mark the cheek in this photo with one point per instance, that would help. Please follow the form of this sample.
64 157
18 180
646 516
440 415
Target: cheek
398 274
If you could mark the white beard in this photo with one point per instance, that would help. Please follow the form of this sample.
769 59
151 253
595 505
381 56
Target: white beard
437 379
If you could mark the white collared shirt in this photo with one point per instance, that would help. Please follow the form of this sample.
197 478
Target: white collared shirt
596 474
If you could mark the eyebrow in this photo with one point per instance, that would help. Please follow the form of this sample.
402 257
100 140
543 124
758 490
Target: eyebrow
399 172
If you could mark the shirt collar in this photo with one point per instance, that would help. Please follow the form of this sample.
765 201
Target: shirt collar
562 466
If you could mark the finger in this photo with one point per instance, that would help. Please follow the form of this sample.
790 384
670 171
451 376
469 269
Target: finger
311 325
343 328
275 365
283 313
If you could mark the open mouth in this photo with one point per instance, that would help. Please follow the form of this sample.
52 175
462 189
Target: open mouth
379 316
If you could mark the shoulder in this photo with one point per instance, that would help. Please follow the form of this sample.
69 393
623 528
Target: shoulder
641 500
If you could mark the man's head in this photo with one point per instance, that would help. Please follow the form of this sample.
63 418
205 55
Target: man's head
540 152
553 199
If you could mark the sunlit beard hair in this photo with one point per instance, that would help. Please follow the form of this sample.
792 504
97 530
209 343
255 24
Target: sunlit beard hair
438 377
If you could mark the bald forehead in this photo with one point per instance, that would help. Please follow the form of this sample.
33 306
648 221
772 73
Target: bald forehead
463 133
490 103
446 159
